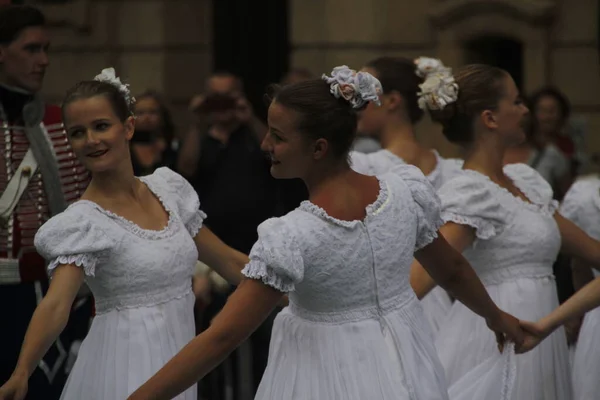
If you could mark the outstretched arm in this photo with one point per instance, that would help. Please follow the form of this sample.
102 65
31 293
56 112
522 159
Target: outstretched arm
453 272
459 237
229 328
225 260
584 300
48 321
576 243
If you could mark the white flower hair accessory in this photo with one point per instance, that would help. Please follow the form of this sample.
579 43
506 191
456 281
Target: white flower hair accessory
438 90
358 88
108 75
427 66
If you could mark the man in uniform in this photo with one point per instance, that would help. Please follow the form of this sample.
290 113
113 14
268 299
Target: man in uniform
39 177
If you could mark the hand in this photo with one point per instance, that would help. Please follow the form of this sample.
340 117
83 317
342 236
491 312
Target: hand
243 110
196 103
572 328
14 389
534 334
201 287
506 327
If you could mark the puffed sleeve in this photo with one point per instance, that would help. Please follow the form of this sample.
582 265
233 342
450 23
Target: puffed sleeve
276 258
469 200
574 200
72 238
184 197
427 203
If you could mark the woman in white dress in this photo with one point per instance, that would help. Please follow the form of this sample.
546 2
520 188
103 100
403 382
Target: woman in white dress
353 329
582 206
503 219
393 124
135 242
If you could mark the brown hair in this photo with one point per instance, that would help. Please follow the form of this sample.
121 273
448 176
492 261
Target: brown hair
321 115
398 74
89 89
14 19
480 87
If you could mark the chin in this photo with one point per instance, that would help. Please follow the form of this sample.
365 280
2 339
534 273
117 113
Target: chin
278 173
99 166
32 87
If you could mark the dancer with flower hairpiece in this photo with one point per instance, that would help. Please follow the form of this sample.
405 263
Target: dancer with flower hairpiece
135 242
505 221
393 124
354 329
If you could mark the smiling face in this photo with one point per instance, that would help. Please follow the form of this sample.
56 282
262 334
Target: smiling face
25 59
97 135
291 153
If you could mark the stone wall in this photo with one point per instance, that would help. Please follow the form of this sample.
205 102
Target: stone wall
152 44
558 38
166 44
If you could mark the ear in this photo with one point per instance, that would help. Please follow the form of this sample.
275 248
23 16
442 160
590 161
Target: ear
320 149
394 101
129 125
489 120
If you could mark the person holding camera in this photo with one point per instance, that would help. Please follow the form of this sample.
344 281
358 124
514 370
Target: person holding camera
222 159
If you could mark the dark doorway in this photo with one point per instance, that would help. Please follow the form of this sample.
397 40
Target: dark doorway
498 51
250 39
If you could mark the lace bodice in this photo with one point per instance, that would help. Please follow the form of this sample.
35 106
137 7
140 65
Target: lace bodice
582 206
382 161
127 266
514 238
344 270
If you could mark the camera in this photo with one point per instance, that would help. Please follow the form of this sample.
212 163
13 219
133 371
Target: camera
218 102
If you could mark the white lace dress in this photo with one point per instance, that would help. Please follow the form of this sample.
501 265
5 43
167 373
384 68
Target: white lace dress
515 247
582 206
141 282
354 329
437 303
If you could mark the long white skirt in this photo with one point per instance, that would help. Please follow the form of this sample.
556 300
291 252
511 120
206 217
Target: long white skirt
436 306
586 363
124 348
465 343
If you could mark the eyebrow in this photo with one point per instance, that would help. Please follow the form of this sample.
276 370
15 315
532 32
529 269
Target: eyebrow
93 122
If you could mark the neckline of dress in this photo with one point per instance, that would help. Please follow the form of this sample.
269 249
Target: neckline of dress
131 226
370 210
434 172
532 202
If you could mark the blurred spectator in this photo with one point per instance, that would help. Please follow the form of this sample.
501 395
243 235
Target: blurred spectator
222 158
544 156
154 144
551 111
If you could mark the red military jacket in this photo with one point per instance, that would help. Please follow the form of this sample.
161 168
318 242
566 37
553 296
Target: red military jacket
16 239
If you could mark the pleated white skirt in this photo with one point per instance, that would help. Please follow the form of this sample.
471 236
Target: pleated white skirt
125 348
465 344
436 306
586 363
